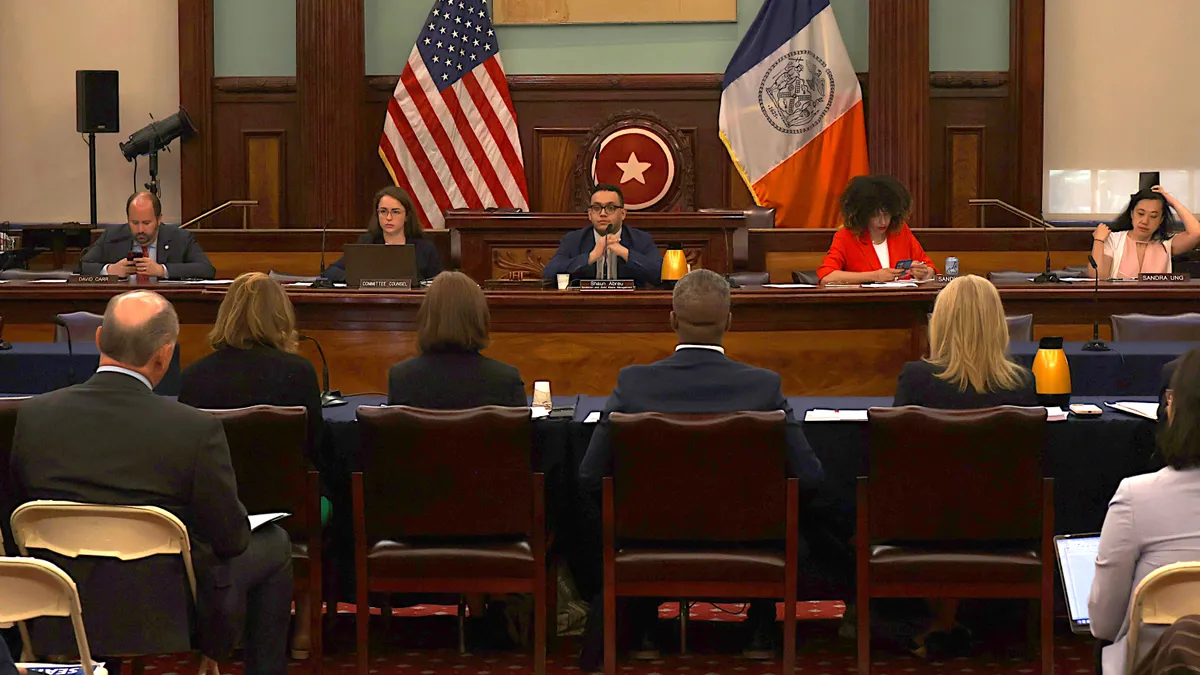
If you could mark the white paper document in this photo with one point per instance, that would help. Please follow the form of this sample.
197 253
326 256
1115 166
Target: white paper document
48 281
823 415
537 412
1055 414
592 417
1139 408
788 286
892 284
258 520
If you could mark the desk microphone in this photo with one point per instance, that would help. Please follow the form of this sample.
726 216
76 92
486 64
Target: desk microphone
322 282
1095 344
329 399
59 321
608 273
1046 277
4 345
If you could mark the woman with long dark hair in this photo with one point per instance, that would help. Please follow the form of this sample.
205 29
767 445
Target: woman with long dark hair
1142 240
394 222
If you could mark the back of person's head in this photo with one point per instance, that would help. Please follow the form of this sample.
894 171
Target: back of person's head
454 316
869 196
137 329
1179 439
1151 201
700 307
968 337
256 310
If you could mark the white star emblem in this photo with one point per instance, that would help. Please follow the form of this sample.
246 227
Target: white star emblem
468 24
487 47
439 44
633 169
481 14
462 52
443 31
461 6
436 60
431 26
455 33
490 33
457 19
436 13
478 29
427 40
472 57
477 43
459 66
445 77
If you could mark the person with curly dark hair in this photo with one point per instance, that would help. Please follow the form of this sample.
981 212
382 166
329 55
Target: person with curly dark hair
874 237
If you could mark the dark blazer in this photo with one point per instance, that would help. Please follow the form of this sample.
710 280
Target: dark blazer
111 440
920 385
454 381
261 375
644 265
698 381
176 248
428 262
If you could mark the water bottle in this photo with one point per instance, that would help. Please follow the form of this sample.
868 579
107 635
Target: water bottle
951 266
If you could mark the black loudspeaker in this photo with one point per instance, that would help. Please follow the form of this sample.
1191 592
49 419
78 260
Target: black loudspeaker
97 102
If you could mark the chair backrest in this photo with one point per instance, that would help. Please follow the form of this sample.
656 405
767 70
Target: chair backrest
806 277
760 217
126 533
33 588
1151 328
30 275
81 326
751 278
719 477
285 278
1020 327
446 473
267 446
8 423
1161 598
963 475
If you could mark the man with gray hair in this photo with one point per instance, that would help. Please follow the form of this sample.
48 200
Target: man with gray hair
697 378
111 440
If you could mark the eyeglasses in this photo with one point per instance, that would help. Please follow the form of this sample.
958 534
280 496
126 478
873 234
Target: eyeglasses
395 213
604 208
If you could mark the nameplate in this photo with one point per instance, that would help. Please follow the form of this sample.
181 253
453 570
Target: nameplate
1172 277
944 278
404 284
93 279
606 285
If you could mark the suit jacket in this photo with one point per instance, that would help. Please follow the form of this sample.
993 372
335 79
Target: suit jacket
454 381
919 384
697 381
856 253
644 265
111 440
1153 520
429 265
261 375
177 250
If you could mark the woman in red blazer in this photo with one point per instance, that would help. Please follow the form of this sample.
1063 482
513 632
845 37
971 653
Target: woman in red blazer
874 236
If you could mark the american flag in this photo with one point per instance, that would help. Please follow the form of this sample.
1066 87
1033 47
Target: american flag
450 136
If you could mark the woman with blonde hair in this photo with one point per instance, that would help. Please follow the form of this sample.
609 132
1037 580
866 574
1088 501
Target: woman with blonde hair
968 364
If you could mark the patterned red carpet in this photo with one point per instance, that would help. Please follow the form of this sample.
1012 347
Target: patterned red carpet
421 642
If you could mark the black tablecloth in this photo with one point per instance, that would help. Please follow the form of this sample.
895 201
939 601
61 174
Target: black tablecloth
1130 369
38 367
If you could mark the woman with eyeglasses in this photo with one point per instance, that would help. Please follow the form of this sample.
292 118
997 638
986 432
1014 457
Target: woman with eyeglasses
394 222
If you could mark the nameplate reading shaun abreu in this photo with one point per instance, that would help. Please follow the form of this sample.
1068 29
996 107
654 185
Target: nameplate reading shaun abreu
93 279
606 285
404 284
1172 277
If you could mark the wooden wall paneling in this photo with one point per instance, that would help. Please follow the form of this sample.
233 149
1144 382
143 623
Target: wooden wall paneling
266 175
1028 70
964 159
195 96
330 71
898 117
245 109
553 162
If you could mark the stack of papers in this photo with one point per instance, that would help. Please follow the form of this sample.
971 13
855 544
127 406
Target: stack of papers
892 284
1139 408
788 286
822 415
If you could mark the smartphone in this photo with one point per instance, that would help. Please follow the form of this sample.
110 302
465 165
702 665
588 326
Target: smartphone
903 265
131 256
1085 410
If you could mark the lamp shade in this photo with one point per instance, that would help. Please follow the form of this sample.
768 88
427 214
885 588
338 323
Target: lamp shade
674 264
1052 372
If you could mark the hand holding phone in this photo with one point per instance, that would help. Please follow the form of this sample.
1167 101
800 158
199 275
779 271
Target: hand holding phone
903 265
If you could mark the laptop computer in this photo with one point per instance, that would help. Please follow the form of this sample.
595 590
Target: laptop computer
379 261
1076 554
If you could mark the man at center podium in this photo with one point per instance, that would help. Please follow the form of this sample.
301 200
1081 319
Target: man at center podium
607 249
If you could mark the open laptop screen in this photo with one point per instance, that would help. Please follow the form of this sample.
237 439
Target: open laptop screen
1077 563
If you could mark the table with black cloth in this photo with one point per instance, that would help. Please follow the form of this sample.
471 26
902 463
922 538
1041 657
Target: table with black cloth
39 367
1087 457
1129 369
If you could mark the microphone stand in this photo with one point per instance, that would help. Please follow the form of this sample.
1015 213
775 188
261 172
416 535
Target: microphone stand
1095 344
329 399
322 282
1048 277
4 344
58 320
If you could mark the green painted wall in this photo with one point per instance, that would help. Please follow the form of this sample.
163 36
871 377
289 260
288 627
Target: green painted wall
258 38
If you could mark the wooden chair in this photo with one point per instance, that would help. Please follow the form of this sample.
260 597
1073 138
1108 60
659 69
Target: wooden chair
949 493
446 503
805 277
125 533
1163 597
1020 327
651 527
286 278
33 588
267 445
1151 328
80 329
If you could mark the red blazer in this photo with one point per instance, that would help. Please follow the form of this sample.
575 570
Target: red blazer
850 253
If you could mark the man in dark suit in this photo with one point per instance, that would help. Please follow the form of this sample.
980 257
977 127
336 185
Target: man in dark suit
163 251
607 249
111 440
699 378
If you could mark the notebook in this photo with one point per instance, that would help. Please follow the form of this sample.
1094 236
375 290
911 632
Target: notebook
1076 555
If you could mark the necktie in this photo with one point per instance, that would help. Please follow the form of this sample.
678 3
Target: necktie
143 278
